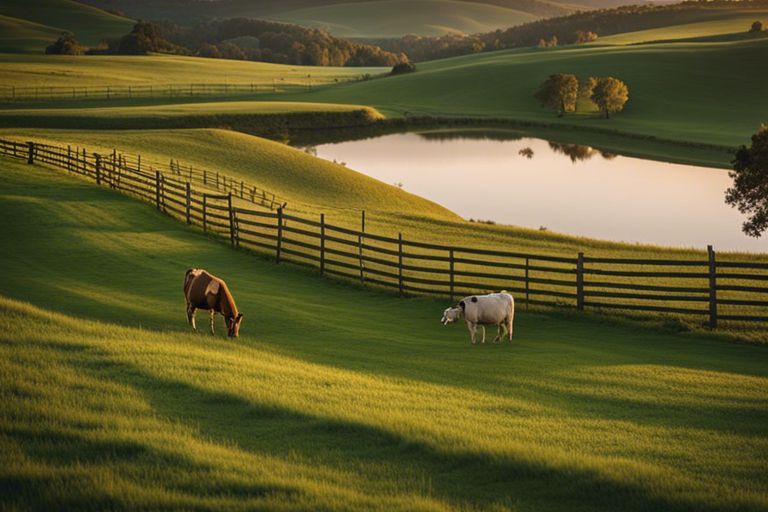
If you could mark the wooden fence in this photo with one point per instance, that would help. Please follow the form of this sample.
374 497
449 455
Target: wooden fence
710 288
10 93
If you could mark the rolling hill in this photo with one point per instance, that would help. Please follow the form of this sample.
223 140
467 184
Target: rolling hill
333 398
671 88
396 18
27 26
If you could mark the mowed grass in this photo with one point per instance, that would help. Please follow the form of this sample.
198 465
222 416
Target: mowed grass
97 70
89 24
396 18
333 397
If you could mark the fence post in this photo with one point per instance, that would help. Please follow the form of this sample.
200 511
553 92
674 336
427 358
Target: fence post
527 284
188 203
205 219
205 177
31 155
360 247
712 288
97 166
450 270
158 177
322 243
279 234
400 263
231 219
69 158
580 281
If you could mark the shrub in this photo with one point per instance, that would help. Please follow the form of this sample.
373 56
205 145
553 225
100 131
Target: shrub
66 44
757 26
403 68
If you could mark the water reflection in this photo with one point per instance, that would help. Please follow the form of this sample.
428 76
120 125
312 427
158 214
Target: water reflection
482 176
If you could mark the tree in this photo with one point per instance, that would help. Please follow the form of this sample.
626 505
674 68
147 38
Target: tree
610 94
66 44
560 92
402 68
749 192
757 26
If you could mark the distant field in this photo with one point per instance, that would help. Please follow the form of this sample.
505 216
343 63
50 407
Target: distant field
672 88
396 18
62 70
731 22
35 20
333 398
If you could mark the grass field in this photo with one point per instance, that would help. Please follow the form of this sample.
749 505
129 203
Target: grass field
726 22
30 26
670 87
333 397
396 18
92 70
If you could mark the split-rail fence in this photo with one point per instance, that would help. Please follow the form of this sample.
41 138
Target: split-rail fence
709 288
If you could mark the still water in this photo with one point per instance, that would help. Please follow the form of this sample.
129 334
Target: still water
564 188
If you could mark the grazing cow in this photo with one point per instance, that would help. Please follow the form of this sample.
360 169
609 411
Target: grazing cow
205 291
493 309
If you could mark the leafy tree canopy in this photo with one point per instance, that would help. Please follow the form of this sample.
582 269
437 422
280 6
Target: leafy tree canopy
749 192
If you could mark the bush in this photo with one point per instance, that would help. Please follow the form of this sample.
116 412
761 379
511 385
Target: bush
757 26
403 68
64 45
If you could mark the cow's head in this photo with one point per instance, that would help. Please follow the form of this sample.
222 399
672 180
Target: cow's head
233 325
450 315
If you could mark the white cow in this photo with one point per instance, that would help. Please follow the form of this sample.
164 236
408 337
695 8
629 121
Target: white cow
493 309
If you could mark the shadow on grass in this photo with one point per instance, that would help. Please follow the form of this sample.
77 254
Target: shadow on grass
461 478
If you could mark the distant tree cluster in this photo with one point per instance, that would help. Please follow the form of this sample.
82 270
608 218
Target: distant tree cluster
249 39
403 68
585 36
547 43
749 192
66 44
561 92
757 26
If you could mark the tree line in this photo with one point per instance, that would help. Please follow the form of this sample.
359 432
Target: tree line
240 39
576 28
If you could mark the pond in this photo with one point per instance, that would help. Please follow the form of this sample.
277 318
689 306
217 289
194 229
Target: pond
565 188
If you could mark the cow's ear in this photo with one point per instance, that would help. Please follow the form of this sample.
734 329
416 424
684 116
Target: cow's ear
462 305
474 299
239 317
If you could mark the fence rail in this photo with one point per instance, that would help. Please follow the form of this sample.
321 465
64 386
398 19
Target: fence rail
710 289
11 93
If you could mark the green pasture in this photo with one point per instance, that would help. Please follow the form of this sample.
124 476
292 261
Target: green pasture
101 70
678 91
396 18
713 24
30 26
312 186
333 397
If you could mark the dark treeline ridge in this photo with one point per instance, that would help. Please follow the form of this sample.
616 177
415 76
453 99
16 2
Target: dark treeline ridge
565 29
250 39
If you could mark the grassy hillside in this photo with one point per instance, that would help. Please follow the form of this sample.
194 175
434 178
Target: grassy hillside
63 70
89 24
333 398
671 86
725 22
395 18
22 36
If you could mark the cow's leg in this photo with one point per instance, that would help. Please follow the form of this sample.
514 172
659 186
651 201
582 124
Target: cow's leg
483 328
509 328
213 317
499 333
472 330
191 316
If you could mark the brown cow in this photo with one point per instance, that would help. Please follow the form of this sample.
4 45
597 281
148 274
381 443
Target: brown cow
206 291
